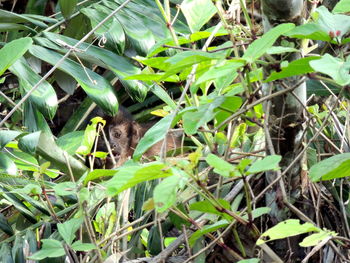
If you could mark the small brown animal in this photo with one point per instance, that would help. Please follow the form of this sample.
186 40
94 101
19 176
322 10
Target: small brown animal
124 133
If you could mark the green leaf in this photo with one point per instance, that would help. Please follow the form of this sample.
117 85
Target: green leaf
70 142
288 228
67 7
98 173
44 97
226 68
259 47
10 17
329 22
7 54
268 163
67 229
65 188
129 176
294 68
220 166
5 226
186 59
79 246
207 229
275 50
112 29
316 238
343 6
204 113
165 193
100 91
229 106
6 136
44 145
325 24
119 65
334 67
197 12
208 207
331 168
258 212
50 249
90 136
155 134
309 31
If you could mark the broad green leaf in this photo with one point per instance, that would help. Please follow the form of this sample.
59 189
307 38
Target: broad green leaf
220 166
67 229
334 67
129 176
226 68
98 88
343 6
44 97
29 143
139 36
309 31
203 114
112 29
7 165
268 163
155 134
207 229
332 22
65 188
7 136
156 62
165 193
159 46
10 17
6 27
51 248
230 105
197 12
17 249
208 207
294 68
331 168
120 66
6 255
5 226
79 246
70 142
67 7
326 26
163 95
33 119
44 145
90 136
259 47
316 238
258 212
288 228
153 77
98 173
275 50
186 59
7 54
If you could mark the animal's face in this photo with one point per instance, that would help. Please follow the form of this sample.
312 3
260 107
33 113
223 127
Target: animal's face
120 138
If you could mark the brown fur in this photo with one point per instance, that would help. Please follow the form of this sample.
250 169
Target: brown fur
124 134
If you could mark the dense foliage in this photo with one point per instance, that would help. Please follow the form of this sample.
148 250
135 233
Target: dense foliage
202 68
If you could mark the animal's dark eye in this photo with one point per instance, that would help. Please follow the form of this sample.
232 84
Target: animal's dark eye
117 135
